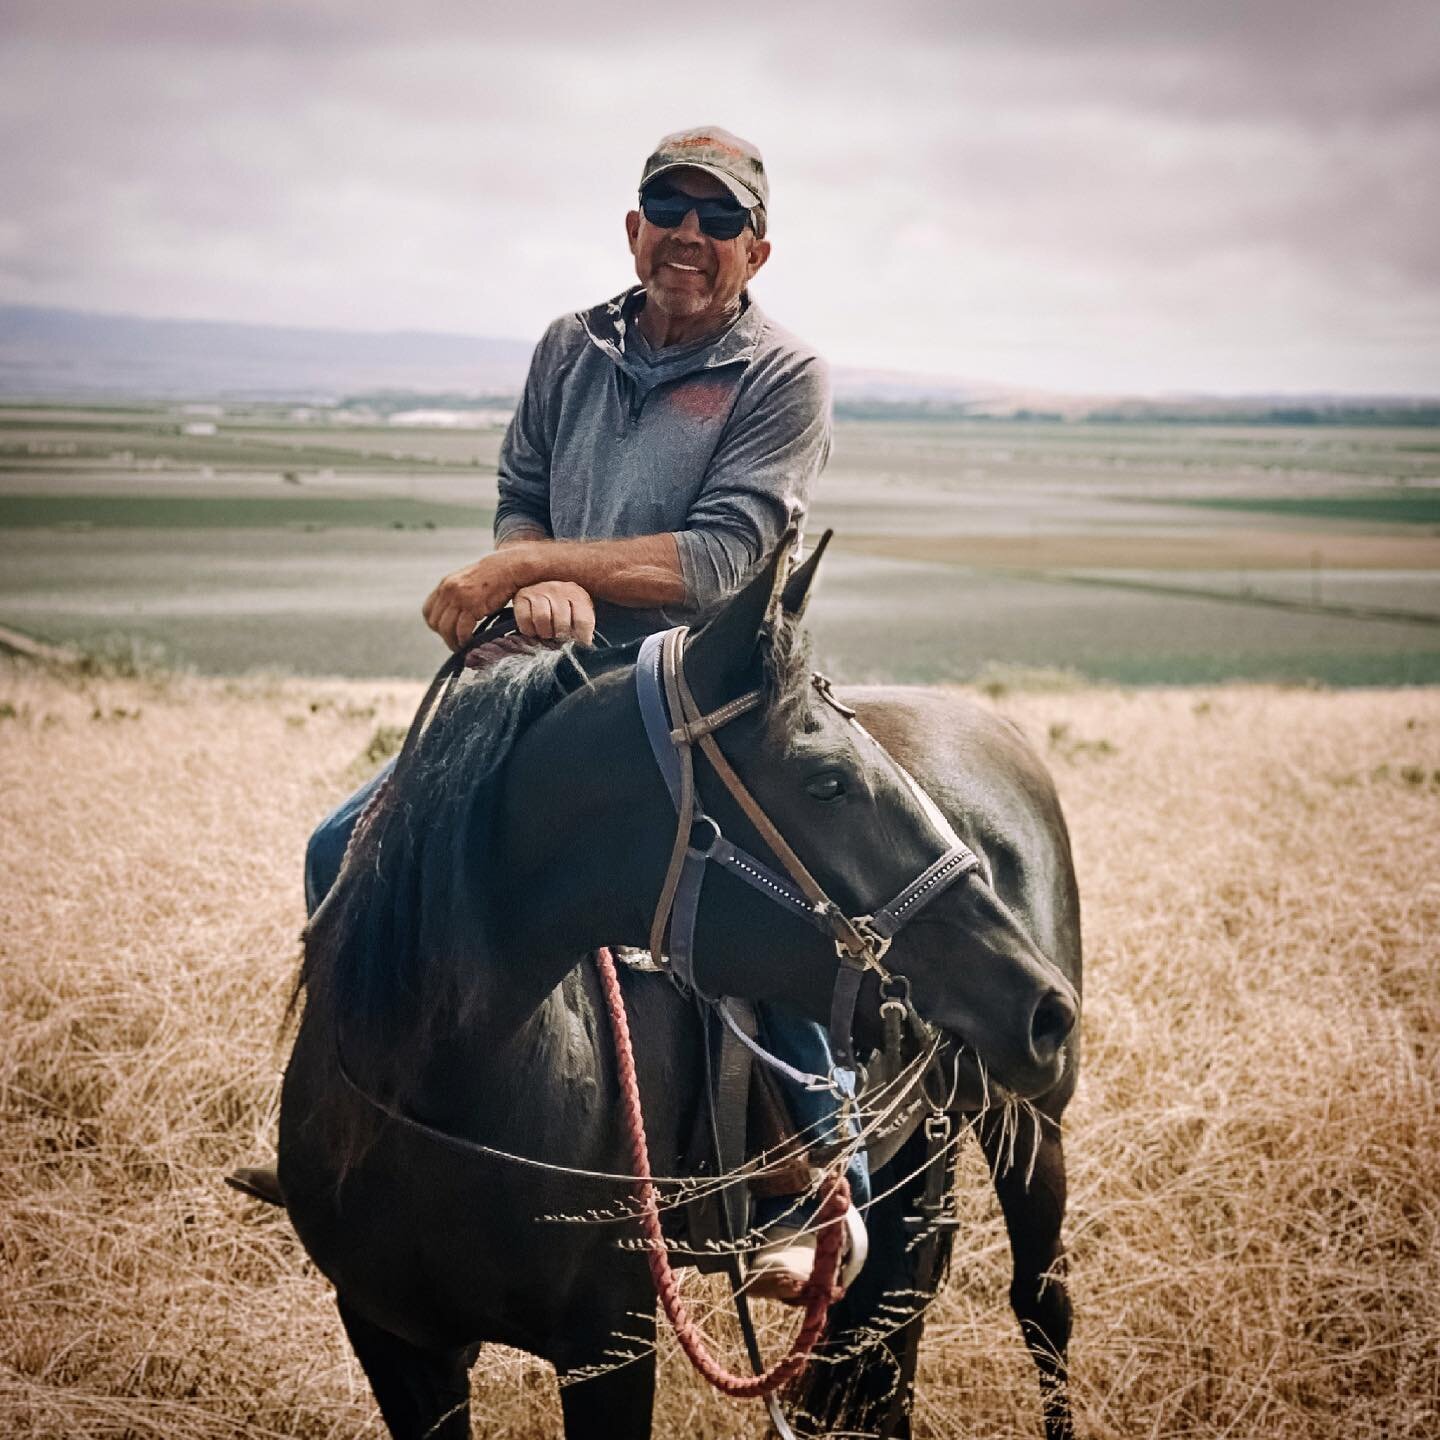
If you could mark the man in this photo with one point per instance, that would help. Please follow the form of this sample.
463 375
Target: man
664 442
665 439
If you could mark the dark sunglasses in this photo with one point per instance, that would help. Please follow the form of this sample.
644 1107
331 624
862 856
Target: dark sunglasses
719 219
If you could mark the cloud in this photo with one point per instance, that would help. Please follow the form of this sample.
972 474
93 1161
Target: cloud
1133 193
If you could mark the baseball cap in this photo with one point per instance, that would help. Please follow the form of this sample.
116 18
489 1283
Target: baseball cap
736 163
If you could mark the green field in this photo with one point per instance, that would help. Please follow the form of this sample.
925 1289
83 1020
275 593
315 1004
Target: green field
1131 552
1400 506
233 512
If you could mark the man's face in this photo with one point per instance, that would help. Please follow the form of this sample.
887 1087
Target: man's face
685 272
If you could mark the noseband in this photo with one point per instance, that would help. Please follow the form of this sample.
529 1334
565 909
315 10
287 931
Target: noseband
675 724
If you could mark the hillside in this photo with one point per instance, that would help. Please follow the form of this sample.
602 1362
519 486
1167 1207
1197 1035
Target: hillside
1254 1150
73 355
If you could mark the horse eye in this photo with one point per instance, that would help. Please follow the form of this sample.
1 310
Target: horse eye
825 787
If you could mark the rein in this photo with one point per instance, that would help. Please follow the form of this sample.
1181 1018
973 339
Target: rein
821 1290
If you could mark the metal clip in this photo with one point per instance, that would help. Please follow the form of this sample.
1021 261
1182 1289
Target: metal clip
840 1083
875 945
894 995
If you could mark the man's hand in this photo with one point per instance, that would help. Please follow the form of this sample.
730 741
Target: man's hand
462 600
641 571
555 610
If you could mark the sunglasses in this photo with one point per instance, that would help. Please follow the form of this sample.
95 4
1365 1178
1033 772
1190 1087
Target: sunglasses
719 219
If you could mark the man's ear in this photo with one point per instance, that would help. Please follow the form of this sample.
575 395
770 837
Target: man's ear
632 228
720 659
796 594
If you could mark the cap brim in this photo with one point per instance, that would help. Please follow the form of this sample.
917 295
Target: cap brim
747 197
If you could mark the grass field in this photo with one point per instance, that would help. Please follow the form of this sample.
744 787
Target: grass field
1402 505
233 512
1255 1148
1128 552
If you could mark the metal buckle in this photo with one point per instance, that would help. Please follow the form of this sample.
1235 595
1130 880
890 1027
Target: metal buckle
876 944
937 1126
715 838
894 995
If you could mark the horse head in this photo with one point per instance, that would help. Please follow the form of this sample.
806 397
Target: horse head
856 822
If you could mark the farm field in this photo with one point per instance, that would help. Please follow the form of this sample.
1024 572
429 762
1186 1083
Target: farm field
1254 1149
1125 552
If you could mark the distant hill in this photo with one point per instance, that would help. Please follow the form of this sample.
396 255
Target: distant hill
73 355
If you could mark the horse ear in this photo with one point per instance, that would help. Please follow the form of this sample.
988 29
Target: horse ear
720 658
796 594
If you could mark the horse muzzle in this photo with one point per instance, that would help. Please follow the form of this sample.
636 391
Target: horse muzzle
978 978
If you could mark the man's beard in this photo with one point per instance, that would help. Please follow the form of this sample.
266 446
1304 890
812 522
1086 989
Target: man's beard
681 304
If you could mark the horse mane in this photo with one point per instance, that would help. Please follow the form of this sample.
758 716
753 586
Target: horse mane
400 943
406 920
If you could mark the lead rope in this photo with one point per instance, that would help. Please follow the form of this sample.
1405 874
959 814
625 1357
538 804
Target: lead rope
821 1290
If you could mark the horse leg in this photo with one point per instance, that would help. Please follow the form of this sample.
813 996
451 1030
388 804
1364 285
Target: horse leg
422 1393
1033 1203
864 1379
607 1380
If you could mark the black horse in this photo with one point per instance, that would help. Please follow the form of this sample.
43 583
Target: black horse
442 979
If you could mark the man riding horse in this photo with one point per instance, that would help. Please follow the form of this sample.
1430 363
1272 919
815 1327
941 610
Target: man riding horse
664 442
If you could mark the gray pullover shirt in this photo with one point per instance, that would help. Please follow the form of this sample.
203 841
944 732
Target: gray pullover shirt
719 443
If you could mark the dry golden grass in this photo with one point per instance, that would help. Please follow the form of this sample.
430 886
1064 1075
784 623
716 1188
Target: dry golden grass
1255 1154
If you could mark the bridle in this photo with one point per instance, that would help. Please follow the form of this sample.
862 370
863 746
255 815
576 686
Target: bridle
675 724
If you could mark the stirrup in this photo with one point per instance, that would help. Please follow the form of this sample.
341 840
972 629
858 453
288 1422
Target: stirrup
780 1268
259 1182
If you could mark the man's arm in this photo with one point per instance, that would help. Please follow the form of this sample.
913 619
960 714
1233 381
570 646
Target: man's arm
552 583
542 576
759 480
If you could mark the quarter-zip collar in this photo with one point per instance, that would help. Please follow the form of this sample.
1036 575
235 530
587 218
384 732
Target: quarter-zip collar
611 328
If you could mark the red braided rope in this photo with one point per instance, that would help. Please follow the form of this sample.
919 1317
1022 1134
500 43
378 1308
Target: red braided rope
820 1291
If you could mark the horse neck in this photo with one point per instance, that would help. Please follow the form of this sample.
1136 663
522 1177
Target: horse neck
541 1083
506 1060
475 901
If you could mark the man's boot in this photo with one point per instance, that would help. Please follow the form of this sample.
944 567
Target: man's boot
780 1268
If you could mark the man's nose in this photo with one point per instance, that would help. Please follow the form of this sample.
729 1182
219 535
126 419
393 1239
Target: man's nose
689 227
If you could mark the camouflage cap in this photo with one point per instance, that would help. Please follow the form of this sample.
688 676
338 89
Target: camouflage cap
727 157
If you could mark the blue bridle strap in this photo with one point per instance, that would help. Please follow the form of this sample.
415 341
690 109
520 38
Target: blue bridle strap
650 686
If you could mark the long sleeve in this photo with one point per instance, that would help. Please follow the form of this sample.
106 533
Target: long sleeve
759 481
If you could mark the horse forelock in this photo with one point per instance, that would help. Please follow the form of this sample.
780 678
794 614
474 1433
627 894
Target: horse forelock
786 659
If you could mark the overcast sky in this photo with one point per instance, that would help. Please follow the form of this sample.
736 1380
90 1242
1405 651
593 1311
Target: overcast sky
1088 195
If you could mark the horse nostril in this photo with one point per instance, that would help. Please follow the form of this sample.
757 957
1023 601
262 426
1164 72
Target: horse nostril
1050 1024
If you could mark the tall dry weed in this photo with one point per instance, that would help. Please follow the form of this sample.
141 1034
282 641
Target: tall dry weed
1254 1152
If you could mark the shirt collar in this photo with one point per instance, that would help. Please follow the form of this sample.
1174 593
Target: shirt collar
609 324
